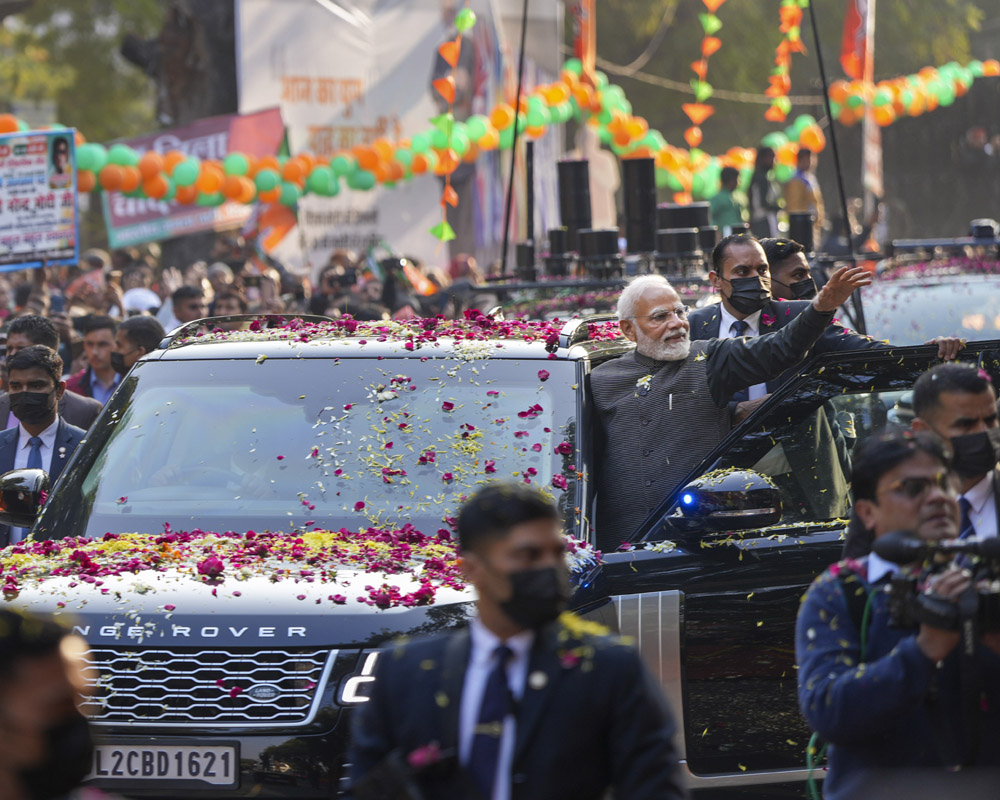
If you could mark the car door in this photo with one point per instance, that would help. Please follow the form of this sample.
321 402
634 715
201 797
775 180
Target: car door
713 613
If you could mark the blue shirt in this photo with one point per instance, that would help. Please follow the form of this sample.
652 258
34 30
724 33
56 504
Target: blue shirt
880 712
97 389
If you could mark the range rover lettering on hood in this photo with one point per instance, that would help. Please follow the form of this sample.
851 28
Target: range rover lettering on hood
120 629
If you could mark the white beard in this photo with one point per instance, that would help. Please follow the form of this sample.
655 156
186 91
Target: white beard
675 350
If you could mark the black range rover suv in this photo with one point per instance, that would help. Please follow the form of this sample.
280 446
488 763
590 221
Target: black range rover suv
236 678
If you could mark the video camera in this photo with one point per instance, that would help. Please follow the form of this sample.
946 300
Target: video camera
910 606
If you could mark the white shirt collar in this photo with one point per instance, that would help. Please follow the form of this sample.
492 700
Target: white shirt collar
728 319
878 568
485 642
48 436
980 493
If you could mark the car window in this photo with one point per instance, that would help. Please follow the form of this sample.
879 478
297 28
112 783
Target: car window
224 444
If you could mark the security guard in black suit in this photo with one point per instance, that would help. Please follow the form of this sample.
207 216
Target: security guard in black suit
528 703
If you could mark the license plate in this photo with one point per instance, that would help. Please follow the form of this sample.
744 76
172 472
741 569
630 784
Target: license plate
215 765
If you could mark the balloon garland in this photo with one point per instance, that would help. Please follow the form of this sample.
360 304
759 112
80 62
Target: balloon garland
698 112
908 96
690 173
780 82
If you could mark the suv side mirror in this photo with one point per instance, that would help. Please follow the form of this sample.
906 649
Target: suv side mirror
728 500
22 494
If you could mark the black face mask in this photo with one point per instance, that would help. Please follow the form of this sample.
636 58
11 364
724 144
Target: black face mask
118 363
538 596
748 294
803 290
32 408
976 453
68 757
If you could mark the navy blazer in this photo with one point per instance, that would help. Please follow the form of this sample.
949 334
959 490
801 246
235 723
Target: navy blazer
776 314
590 718
67 437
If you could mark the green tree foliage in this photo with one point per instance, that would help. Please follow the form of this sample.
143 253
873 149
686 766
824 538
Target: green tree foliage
909 35
67 51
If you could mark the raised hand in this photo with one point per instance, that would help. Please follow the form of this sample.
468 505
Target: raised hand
840 286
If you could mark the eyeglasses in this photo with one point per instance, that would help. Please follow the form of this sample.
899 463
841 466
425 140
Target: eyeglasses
681 312
914 488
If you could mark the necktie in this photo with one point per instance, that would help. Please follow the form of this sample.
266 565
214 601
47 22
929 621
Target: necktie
35 456
966 529
489 729
738 329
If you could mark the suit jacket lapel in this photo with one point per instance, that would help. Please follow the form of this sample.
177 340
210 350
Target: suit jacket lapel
715 323
543 672
8 451
454 664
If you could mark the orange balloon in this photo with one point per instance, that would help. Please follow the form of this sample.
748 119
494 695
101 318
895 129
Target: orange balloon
209 179
838 92
111 177
884 116
470 155
397 172
270 196
787 154
86 181
812 138
131 178
502 116
248 191
621 138
489 140
186 195
79 139
447 162
383 147
150 165
156 187
232 187
367 158
991 68
693 136
8 123
269 162
419 164
172 159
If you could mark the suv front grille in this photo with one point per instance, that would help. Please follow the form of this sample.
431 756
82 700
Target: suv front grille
239 687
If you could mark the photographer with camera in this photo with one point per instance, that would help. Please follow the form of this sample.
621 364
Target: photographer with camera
891 697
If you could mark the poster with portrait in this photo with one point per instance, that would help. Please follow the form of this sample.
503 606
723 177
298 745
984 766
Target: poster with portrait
38 203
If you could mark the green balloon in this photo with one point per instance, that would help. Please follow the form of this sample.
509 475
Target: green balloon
361 179
343 165
906 97
975 68
186 173
92 157
604 135
883 97
600 79
235 164
746 175
289 194
122 155
562 112
439 139
334 188
774 140
783 173
674 182
171 191
465 19
421 142
834 109
662 178
538 118
947 94
804 121
319 181
476 126
573 65
698 186
432 162
23 126
404 157
216 199
459 141
266 180
855 101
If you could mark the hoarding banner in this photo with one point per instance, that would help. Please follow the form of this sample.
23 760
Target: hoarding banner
38 205
134 220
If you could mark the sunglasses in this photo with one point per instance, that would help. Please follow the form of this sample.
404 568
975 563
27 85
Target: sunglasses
913 488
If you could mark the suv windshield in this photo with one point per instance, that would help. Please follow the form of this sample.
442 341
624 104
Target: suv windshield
238 445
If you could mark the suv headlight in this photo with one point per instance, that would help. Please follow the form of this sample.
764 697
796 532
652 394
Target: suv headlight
354 689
